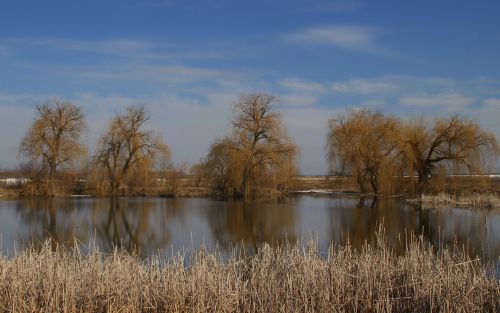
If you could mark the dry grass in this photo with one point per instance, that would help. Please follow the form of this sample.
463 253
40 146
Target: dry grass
8 193
282 279
475 200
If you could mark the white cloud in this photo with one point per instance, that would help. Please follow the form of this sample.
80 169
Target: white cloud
139 50
364 86
308 126
174 74
449 99
302 85
492 102
374 103
111 46
351 37
295 100
14 121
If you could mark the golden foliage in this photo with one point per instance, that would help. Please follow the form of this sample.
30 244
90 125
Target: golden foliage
382 149
126 153
454 144
364 144
257 157
53 140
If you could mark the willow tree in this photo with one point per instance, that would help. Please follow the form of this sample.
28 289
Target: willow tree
455 143
365 144
257 156
53 140
127 152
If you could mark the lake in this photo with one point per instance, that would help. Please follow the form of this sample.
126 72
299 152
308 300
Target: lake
162 225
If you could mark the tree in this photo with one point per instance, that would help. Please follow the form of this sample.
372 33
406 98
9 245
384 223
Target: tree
53 140
456 143
365 144
126 152
258 155
220 165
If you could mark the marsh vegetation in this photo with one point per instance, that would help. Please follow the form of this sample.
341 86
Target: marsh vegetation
286 278
257 261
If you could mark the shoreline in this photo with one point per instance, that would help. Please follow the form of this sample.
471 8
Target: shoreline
475 200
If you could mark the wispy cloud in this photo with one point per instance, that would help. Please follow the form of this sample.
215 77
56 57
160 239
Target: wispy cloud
302 85
122 48
449 99
352 37
300 93
492 102
176 74
365 86
298 100
111 46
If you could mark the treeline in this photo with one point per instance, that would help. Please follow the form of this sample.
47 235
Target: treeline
255 159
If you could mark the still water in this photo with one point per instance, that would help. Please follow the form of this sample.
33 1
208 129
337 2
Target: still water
160 225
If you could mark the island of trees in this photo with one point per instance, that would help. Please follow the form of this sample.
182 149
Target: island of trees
373 153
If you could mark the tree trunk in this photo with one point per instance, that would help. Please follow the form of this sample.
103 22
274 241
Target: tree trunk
421 183
52 171
373 183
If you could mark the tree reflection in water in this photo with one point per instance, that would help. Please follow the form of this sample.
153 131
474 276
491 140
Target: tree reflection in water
136 225
147 225
252 223
356 221
49 219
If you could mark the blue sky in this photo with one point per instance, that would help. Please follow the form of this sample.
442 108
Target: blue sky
188 60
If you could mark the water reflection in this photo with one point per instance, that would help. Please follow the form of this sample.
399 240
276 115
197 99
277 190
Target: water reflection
137 225
356 222
49 219
130 225
147 225
252 223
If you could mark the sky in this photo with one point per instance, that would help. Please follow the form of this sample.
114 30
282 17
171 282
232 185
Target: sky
188 61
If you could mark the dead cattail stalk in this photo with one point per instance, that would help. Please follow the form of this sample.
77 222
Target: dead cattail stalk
289 278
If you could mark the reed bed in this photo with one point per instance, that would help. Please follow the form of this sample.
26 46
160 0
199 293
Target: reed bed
287 278
475 200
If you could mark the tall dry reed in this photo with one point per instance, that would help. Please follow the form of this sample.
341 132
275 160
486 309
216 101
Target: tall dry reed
277 279
474 200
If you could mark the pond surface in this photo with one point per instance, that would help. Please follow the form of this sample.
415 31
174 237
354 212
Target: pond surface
152 225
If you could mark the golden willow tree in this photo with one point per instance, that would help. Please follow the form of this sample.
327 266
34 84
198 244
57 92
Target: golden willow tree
365 144
258 157
454 144
127 153
52 142
380 150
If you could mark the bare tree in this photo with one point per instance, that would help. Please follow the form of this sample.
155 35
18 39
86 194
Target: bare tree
365 144
257 155
53 140
455 143
126 152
